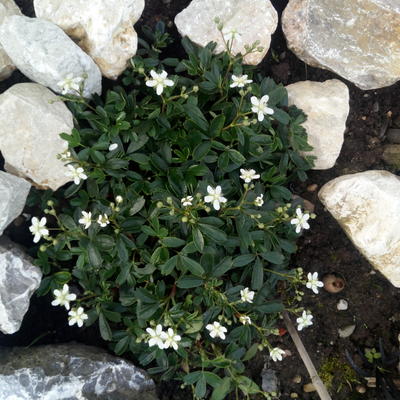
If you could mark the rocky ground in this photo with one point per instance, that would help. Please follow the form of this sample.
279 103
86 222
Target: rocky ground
373 301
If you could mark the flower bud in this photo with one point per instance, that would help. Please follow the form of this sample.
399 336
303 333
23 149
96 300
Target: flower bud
208 209
195 89
119 199
261 226
184 219
169 200
42 248
159 204
141 70
172 212
50 203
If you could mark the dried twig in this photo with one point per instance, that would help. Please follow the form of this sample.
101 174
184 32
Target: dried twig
315 379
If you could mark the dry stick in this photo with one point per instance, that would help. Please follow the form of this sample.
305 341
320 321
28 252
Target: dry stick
316 380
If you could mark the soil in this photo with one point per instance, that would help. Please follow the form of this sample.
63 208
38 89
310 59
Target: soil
373 301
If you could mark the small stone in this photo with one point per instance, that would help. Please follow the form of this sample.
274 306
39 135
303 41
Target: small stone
297 379
331 34
342 305
270 381
31 120
13 194
70 371
393 135
361 389
371 382
103 30
7 7
45 54
326 105
346 331
19 279
391 155
253 20
312 188
294 395
367 206
308 388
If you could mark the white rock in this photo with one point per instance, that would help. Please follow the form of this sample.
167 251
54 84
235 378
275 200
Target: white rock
346 331
357 39
19 278
30 126
45 54
7 7
327 107
367 206
342 305
13 194
104 30
252 19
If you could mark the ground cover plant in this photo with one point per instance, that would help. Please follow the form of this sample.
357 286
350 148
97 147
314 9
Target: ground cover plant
176 234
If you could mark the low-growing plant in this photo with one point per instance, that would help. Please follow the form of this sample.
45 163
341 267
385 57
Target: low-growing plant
179 226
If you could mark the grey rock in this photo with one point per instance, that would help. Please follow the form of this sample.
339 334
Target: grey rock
19 278
45 54
391 155
269 380
346 331
357 39
7 7
252 19
70 372
393 135
13 194
31 120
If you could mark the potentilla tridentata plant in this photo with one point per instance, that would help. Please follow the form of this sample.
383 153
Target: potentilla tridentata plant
177 229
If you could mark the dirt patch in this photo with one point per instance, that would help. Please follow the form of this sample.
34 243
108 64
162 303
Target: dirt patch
373 302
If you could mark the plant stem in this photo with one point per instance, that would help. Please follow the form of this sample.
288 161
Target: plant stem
316 380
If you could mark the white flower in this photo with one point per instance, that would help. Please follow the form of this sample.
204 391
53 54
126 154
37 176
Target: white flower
248 175
313 282
259 201
76 174
86 219
77 316
156 336
103 220
187 201
245 320
301 220
170 338
276 354
70 84
215 197
260 107
229 34
159 81
119 199
113 146
63 297
38 228
239 81
216 330
247 295
304 321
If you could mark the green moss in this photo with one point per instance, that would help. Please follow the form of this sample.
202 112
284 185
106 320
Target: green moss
335 374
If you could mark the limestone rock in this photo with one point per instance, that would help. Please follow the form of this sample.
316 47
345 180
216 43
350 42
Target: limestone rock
327 107
19 278
367 206
357 39
105 32
29 134
253 20
13 193
7 7
45 54
70 371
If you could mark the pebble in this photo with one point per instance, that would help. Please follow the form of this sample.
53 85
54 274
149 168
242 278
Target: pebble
393 135
308 388
297 379
391 154
270 381
342 305
294 395
361 388
346 331
313 187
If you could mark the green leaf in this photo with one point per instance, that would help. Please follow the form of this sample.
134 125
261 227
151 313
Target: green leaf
189 281
172 242
251 352
105 242
224 266
201 150
221 391
68 222
194 113
94 255
272 307
105 330
213 233
201 387
216 125
242 260
247 386
236 157
137 206
192 378
273 257
212 379
257 276
122 345
198 239
168 267
193 266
